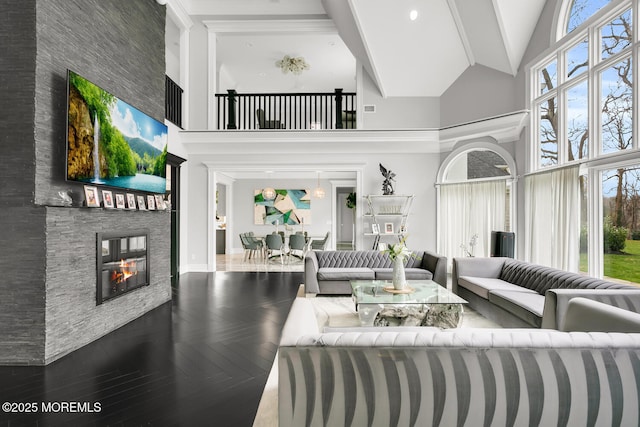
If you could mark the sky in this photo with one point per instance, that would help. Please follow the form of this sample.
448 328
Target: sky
581 14
134 123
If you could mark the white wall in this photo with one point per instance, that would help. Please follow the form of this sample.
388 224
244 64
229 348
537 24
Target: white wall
416 175
194 217
398 112
172 50
480 92
243 221
198 78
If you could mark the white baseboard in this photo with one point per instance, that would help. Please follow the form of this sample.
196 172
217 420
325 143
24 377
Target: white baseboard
194 268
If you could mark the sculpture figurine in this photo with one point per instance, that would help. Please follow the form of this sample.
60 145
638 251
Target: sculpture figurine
387 186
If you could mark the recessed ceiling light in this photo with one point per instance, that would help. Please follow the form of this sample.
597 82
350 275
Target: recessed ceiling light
413 15
263 74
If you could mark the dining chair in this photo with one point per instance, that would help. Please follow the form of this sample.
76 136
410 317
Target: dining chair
297 246
319 245
256 245
275 247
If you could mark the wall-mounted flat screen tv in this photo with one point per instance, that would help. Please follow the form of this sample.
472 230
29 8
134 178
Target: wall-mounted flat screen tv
112 143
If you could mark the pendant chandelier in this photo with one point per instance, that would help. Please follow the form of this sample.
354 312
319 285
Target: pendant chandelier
292 65
319 192
269 193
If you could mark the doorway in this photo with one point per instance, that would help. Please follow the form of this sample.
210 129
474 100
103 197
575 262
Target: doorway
173 191
345 215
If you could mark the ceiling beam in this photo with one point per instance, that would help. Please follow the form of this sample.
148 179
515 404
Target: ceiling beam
372 63
461 32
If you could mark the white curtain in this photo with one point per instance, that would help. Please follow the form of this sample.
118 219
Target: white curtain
468 209
552 219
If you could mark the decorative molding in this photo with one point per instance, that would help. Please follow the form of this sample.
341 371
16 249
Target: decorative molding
478 145
178 14
504 128
317 26
282 167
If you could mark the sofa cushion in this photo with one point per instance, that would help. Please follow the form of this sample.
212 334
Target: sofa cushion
346 274
528 306
481 286
410 274
541 278
360 259
352 259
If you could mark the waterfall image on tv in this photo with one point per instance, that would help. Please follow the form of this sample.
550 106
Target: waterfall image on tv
109 142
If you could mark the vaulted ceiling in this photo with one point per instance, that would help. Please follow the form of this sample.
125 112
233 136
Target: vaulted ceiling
404 57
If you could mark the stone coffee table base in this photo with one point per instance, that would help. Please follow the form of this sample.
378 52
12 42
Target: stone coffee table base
439 315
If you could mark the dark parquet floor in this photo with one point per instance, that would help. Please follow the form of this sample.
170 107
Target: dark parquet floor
200 360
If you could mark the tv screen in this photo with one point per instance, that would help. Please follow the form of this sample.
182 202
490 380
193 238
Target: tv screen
112 143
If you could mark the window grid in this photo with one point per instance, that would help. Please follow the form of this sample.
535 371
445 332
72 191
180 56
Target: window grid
596 66
596 160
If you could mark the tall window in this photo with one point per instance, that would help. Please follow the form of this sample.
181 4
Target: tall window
568 126
620 223
582 109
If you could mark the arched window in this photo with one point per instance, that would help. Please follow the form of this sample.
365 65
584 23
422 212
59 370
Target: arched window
580 11
475 195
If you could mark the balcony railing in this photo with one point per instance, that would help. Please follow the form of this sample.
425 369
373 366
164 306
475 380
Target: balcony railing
173 102
296 111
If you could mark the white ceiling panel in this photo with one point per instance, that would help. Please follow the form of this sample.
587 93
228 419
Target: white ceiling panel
250 61
411 58
518 20
423 57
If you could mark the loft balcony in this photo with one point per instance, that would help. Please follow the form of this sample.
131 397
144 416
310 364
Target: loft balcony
288 117
285 111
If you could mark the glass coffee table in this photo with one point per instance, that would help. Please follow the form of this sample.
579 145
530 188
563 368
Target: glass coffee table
428 304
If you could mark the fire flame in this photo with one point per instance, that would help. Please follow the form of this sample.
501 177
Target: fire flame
124 273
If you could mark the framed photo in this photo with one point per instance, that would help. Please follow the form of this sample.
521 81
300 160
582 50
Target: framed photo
141 204
107 199
160 202
151 202
375 228
388 227
120 201
91 196
131 201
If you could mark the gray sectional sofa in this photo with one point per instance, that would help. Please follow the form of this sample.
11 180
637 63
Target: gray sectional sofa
519 294
329 272
505 377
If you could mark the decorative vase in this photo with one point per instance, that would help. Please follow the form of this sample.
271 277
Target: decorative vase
399 281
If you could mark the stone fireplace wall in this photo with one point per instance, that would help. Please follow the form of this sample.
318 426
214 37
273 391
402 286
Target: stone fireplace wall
48 251
73 318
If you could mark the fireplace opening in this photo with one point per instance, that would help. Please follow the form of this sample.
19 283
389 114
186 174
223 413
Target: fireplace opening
123 263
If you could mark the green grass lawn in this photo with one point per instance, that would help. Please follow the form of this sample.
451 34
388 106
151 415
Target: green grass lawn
625 266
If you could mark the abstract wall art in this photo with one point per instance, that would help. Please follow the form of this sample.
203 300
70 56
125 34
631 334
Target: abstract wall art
288 207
